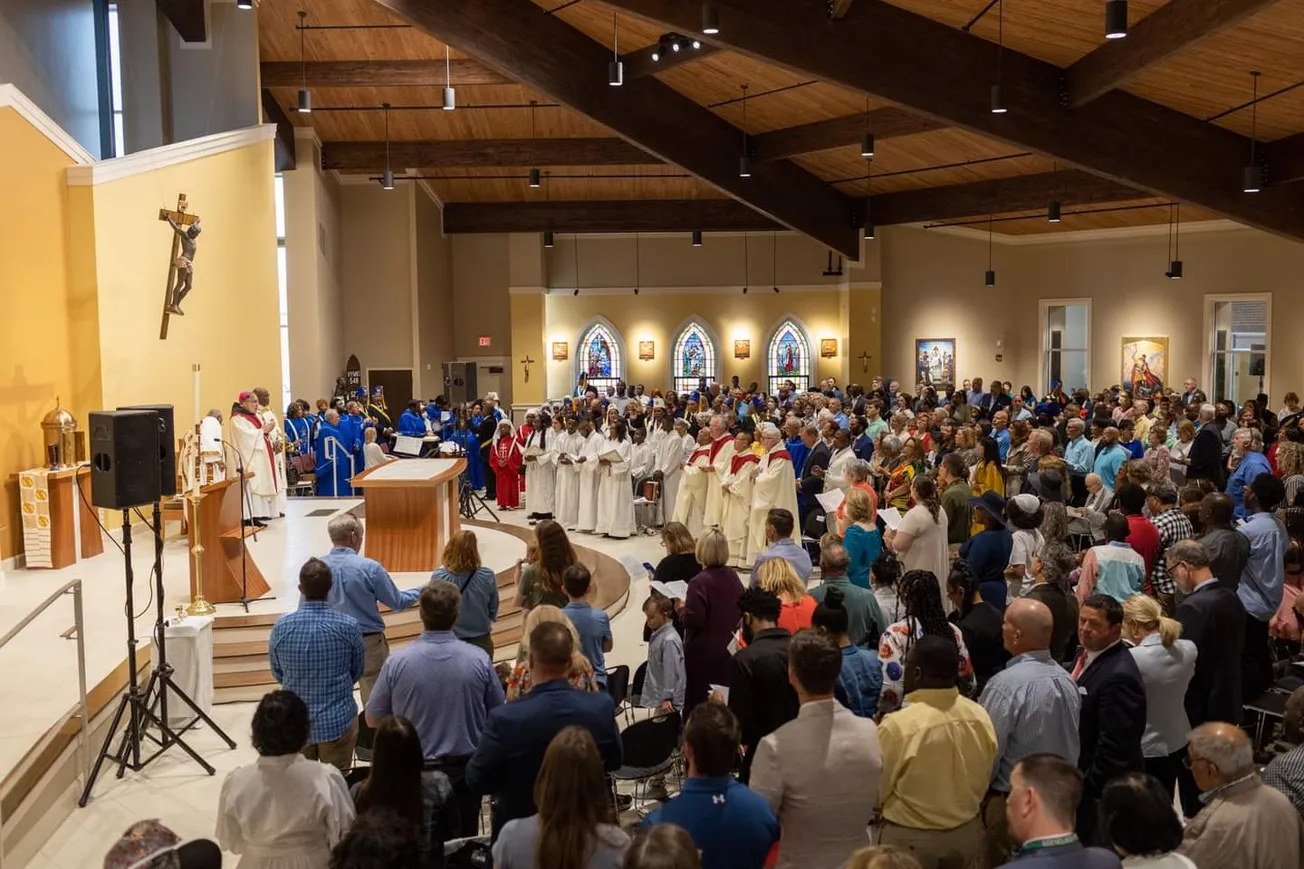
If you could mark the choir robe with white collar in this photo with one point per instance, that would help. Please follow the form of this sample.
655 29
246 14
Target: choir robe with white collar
541 474
775 487
736 506
587 516
615 492
722 450
568 480
690 499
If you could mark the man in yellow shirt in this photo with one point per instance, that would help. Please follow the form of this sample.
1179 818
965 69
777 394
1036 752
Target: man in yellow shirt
938 752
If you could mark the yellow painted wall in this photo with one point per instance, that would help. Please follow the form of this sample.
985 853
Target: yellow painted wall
36 337
528 322
231 326
658 315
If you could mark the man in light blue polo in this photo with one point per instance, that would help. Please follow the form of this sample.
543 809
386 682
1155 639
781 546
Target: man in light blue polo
779 525
592 624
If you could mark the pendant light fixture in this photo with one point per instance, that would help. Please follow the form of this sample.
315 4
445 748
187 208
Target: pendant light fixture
535 181
774 260
548 238
387 178
710 19
1174 272
1053 211
745 161
615 69
747 260
244 4
867 140
637 263
575 244
989 279
450 95
869 195
697 238
998 99
305 98
1252 177
1115 19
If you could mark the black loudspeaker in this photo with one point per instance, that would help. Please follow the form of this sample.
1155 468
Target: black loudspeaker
167 446
124 458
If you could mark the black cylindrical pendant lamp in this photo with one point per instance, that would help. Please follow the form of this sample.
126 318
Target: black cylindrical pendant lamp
697 238
1053 211
1115 19
989 279
548 239
535 180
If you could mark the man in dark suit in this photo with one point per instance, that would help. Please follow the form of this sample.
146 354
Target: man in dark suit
812 472
760 694
1205 460
1113 716
1213 618
510 753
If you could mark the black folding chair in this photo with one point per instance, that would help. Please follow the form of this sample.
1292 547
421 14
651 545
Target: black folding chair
636 692
618 687
366 739
649 750
356 775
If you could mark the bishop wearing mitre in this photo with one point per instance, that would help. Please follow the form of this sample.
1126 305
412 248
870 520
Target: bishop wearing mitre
775 486
251 436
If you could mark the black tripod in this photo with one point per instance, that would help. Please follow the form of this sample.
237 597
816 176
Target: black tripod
469 502
141 702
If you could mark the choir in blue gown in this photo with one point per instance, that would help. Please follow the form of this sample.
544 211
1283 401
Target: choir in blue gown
339 443
466 439
411 423
298 431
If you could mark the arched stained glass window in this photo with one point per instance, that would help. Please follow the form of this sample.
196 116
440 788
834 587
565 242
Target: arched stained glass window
694 359
600 357
788 357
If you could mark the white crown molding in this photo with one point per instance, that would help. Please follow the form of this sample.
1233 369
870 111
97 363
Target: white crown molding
308 134
530 291
1117 233
11 96
430 191
168 155
713 290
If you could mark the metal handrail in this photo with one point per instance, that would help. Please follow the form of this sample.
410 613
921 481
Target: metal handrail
73 587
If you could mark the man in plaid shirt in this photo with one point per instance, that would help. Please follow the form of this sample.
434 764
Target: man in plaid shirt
317 653
1172 525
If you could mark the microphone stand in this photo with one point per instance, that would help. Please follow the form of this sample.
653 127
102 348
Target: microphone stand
244 550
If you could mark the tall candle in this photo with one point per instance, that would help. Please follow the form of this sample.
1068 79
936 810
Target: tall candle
198 415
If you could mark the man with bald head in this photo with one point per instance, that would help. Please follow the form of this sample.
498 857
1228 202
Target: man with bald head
1228 549
1034 705
1244 823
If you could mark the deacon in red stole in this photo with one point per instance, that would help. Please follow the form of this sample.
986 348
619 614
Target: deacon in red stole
775 487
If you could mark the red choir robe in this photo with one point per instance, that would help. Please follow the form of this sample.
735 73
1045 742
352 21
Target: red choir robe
505 459
522 438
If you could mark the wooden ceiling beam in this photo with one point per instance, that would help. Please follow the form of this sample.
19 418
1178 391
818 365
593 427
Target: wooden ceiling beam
839 8
1173 27
997 196
928 67
549 55
484 153
187 17
640 63
1286 160
378 73
885 123
285 150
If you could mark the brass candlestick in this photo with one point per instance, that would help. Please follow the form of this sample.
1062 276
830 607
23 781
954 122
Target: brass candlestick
198 606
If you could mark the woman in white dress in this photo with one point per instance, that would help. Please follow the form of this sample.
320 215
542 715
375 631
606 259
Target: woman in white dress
615 487
372 454
540 456
920 540
283 811
587 515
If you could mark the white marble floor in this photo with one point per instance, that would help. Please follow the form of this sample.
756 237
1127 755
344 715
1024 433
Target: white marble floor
174 789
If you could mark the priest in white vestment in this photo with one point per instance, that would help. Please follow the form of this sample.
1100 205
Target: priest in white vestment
277 437
210 448
541 470
736 501
775 488
569 445
615 488
690 501
251 437
587 515
722 450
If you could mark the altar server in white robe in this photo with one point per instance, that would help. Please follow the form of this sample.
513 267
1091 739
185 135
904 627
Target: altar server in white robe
669 468
251 437
722 450
541 469
690 501
775 487
615 488
736 501
210 448
569 445
587 515
642 459
277 437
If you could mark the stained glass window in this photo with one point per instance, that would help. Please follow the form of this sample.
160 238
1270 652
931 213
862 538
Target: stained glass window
694 360
600 357
788 357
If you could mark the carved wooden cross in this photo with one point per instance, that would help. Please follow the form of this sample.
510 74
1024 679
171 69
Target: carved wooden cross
527 362
182 218
864 361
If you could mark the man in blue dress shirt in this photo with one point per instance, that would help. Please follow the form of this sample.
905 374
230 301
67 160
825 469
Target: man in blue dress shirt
317 653
359 583
731 825
1261 583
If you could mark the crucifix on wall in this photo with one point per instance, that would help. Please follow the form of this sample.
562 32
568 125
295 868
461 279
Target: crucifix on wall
864 361
181 265
527 362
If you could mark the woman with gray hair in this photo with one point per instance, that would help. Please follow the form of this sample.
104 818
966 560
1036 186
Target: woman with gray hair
1247 462
855 473
886 457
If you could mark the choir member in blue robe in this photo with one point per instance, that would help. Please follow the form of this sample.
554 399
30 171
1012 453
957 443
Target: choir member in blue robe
335 448
411 423
298 428
466 439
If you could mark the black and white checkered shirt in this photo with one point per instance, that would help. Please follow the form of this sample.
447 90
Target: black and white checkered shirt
1172 526
1286 774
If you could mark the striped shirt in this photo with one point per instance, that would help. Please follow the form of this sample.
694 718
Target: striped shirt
1172 525
318 654
1034 705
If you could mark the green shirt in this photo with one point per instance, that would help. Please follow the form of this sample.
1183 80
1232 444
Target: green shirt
875 427
864 617
959 512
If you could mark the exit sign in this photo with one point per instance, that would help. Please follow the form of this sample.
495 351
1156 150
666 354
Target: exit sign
484 340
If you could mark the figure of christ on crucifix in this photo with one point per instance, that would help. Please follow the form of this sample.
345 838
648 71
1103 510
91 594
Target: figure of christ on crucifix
527 362
181 268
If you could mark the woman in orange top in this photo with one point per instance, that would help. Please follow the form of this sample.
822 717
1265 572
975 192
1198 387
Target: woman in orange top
776 575
857 474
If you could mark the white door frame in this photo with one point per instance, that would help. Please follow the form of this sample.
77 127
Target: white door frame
1206 368
1043 310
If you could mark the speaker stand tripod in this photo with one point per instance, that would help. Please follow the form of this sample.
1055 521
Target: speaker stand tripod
138 704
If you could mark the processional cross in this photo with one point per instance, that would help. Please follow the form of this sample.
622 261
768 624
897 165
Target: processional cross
527 362
181 265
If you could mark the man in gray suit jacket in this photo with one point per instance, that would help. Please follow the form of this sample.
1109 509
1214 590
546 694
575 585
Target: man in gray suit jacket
820 771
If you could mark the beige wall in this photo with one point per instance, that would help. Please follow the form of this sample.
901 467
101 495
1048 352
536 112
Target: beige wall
481 276
434 252
378 275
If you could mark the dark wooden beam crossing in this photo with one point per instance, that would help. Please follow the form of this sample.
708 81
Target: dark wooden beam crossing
187 16
1286 160
547 54
884 123
640 63
997 196
378 73
285 153
928 67
484 153
1175 26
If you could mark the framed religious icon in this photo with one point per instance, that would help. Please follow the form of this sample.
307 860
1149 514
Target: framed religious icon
742 348
935 362
560 350
1145 365
828 347
647 350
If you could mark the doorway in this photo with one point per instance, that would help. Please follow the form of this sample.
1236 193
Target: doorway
397 384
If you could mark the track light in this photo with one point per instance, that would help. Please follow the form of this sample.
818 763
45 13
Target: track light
450 95
1053 211
1252 176
305 98
549 240
697 238
710 19
869 230
696 43
1252 179
656 54
244 4
1174 272
615 69
577 292
998 100
535 180
387 179
989 278
305 101
744 166
1115 19
867 145
674 45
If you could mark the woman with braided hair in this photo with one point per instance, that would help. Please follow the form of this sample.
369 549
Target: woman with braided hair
924 616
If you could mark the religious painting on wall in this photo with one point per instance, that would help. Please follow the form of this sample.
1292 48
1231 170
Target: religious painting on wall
1145 365
935 362
560 350
742 348
647 350
828 347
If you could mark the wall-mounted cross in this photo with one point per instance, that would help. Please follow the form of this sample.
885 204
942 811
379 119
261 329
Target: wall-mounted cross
864 361
527 362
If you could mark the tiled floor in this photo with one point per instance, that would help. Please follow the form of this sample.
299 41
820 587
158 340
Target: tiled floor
174 789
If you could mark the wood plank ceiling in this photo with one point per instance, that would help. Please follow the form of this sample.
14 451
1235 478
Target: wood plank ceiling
804 113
